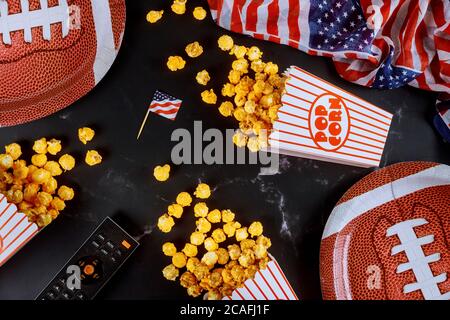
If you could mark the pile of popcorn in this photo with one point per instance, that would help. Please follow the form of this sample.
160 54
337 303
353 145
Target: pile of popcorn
232 253
33 187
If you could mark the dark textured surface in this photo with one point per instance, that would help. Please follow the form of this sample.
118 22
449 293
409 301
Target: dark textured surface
293 205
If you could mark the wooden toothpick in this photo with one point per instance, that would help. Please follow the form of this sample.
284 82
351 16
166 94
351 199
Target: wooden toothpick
143 124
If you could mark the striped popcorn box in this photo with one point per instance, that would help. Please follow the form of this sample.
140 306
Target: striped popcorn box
268 284
15 230
321 121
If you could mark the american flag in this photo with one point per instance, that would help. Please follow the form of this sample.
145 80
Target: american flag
165 105
382 44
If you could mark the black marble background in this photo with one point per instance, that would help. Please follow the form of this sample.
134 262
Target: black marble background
293 205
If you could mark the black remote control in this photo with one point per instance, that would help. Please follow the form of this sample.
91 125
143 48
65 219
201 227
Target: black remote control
97 260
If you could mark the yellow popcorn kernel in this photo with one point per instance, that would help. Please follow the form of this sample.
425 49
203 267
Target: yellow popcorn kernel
194 49
192 263
184 199
170 272
247 244
44 220
255 229
154 16
223 256
241 234
219 236
260 76
239 114
240 65
66 193
21 173
194 291
214 216
225 42
175 63
199 13
234 76
30 192
54 146
262 240
247 258
209 97
259 86
188 279
93 158
234 251
227 216
275 80
175 210
203 225
58 204
263 139
254 53
267 101
50 186
203 191
14 196
239 51
210 244
165 223
271 68
41 176
161 173
258 66
197 238
251 271
169 249
14 150
179 260
54 168
6 161
210 258
203 77
230 228
268 89
228 90
250 106
260 251
85 135
253 144
40 146
201 210
238 273
190 250
239 101
273 112
240 139
178 7
226 109
67 162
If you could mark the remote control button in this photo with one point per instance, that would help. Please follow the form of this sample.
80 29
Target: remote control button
101 237
57 287
110 245
95 244
62 281
51 295
113 259
103 251
89 269
67 295
118 253
80 296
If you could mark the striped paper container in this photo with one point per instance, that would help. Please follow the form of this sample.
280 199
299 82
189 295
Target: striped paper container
15 230
268 284
321 121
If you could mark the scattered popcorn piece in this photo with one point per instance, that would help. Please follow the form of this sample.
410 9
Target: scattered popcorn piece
227 216
239 51
154 16
66 193
240 139
209 97
6 161
203 225
169 249
179 7
203 77
201 210
223 256
214 216
66 161
41 176
184 199
40 146
199 13
203 191
175 63
14 150
210 258
210 244
165 223
54 147
85 135
253 144
170 272
197 238
225 43
254 53
54 168
175 210
190 250
234 251
161 173
241 234
179 260
93 158
228 90
194 49
226 109
255 229
219 236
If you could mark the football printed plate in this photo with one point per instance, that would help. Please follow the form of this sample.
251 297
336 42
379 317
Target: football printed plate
53 52
388 237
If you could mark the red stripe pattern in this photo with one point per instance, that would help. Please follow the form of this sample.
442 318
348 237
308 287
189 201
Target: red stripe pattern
165 105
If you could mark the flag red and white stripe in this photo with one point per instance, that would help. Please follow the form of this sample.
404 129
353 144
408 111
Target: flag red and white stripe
15 230
165 105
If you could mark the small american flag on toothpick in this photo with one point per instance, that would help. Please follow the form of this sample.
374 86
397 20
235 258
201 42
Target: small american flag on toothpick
164 105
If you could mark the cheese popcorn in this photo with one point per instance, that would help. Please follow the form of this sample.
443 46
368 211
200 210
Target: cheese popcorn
169 249
179 7
240 65
271 68
66 193
161 173
254 53
40 146
53 167
240 139
14 150
175 210
253 144
54 146
255 229
197 238
234 251
199 13
239 51
225 43
66 161
41 176
165 223
214 216
230 228
201 210
93 158
170 272
241 234
210 258
209 97
226 109
227 216
203 77
85 135
210 244
6 161
203 191
203 225
154 16
218 235
194 49
228 90
179 260
175 63
222 256
234 76
184 199
190 250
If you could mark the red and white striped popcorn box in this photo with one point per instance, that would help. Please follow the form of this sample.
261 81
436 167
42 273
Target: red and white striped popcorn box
268 284
321 121
15 230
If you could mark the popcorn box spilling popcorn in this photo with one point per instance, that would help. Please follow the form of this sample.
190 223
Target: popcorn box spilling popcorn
15 230
321 121
268 284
